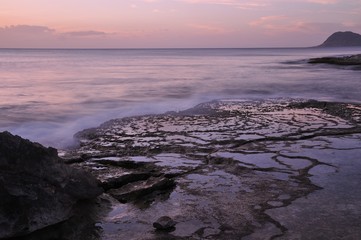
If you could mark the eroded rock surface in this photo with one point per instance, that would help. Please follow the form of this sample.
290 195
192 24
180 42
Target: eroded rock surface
225 169
37 189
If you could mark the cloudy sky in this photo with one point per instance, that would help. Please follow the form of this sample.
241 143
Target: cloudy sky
174 23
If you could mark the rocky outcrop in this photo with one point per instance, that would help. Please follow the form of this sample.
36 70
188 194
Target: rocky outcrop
347 60
343 39
227 169
37 189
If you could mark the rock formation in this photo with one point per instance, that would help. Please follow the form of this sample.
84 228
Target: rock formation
347 60
230 170
343 39
37 189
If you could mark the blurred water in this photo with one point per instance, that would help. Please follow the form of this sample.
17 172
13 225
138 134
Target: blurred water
48 95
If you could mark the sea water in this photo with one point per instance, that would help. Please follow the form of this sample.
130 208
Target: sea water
48 95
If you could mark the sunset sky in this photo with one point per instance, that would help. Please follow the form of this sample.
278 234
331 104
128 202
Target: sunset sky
174 23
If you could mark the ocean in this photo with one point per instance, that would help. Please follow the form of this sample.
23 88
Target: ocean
48 95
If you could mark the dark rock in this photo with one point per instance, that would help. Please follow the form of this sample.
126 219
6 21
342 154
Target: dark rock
164 223
36 188
120 181
139 189
343 39
123 164
348 60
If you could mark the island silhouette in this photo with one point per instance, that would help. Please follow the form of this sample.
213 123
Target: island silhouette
342 39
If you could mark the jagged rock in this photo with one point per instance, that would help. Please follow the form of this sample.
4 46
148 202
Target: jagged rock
36 188
164 223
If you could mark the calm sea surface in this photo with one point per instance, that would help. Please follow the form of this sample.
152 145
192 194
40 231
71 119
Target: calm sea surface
48 95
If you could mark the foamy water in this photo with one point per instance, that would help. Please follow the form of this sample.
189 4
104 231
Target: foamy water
48 95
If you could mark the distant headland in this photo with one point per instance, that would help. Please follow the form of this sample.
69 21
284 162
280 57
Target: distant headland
342 39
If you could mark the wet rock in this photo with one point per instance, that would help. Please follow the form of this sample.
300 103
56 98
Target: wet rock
164 223
233 162
348 60
139 189
120 181
36 188
122 164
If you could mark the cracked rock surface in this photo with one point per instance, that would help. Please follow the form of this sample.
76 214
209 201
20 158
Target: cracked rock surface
278 169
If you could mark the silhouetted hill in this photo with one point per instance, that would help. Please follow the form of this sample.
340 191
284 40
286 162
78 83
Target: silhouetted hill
343 39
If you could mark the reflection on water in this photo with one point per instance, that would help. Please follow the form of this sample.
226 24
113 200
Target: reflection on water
47 95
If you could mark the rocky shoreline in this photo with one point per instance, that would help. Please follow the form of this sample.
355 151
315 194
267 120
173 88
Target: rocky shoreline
346 60
232 162
225 170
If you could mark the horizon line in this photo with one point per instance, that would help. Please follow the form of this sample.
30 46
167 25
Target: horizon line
158 48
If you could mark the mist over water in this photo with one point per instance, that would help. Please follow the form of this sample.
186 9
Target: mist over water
49 95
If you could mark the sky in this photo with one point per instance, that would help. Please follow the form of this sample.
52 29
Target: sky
174 23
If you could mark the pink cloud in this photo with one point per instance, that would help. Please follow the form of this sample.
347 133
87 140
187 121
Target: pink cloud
267 20
284 24
45 37
233 3
85 33
208 29
324 1
26 29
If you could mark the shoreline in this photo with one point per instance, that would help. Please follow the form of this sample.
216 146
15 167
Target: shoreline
150 164
222 170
